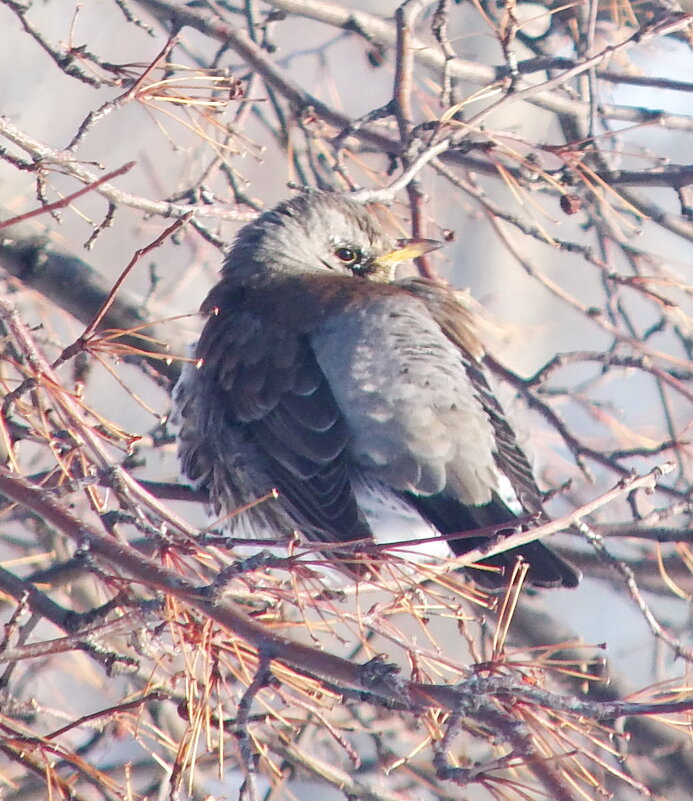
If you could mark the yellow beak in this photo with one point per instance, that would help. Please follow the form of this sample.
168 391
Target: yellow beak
407 249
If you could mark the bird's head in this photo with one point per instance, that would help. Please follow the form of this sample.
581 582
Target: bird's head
317 232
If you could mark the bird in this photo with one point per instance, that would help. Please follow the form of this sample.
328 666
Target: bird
357 404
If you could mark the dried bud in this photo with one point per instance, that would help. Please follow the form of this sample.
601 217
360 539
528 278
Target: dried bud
376 55
571 204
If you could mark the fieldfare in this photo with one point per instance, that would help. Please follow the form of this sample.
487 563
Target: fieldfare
361 399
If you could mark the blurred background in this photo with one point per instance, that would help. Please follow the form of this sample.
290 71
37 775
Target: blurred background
562 190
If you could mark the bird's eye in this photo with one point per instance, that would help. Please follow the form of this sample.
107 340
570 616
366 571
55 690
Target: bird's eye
348 255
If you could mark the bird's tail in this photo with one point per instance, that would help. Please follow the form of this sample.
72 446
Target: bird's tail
449 516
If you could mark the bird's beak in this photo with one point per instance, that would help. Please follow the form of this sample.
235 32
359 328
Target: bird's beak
407 249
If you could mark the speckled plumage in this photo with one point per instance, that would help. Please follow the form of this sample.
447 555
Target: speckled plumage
362 400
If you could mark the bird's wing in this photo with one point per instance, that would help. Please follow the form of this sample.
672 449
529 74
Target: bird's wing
457 324
257 413
546 568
